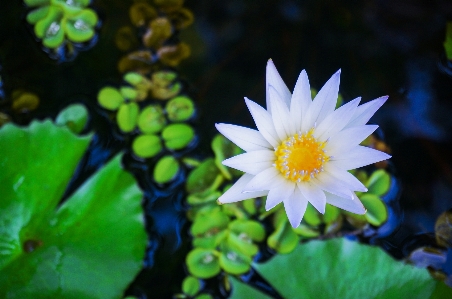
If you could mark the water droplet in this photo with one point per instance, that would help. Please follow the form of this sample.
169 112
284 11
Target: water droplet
53 29
80 25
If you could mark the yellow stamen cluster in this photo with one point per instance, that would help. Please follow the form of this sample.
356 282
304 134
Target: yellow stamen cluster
301 157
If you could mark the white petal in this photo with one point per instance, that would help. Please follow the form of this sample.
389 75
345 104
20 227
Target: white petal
328 183
324 102
277 195
264 122
245 138
295 207
234 193
301 100
336 121
252 162
364 112
274 79
348 139
263 180
314 195
346 178
352 205
280 115
358 157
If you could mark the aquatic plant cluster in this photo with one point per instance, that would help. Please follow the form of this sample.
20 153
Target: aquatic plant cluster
301 197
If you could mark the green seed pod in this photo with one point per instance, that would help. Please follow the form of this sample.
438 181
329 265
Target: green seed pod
178 136
166 169
180 108
127 117
146 146
110 98
151 119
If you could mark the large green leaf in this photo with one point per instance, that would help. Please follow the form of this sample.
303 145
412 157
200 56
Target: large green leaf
340 268
89 247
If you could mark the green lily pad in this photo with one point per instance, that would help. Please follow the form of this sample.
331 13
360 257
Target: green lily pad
180 108
178 136
151 119
110 98
211 239
51 251
233 261
146 146
80 27
223 148
242 243
203 263
379 182
339 268
250 229
376 213
127 116
203 178
74 117
191 285
166 169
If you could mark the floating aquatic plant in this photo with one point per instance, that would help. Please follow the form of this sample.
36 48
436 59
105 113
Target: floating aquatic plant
303 148
57 22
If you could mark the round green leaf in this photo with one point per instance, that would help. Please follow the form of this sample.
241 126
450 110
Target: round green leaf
151 119
128 92
110 98
312 216
242 243
377 213
146 146
180 108
80 27
253 230
339 268
127 116
178 136
74 117
379 182
191 285
210 220
234 262
166 169
306 231
203 263
283 240
52 251
223 149
71 7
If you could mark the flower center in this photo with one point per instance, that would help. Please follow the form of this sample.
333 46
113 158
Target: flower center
301 157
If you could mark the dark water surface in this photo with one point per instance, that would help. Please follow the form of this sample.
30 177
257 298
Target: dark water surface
383 48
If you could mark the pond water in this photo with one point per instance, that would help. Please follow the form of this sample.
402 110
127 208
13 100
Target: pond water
383 47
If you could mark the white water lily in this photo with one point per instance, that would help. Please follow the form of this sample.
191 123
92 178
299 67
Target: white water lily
303 148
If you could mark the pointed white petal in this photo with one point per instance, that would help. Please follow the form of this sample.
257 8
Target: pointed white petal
234 193
358 157
314 195
252 162
301 100
364 112
324 102
328 183
274 79
264 122
349 138
352 205
336 121
295 207
245 138
263 180
280 115
277 195
346 178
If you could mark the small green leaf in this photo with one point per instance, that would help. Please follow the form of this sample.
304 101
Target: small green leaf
306 231
180 108
242 243
283 240
32 3
146 146
166 169
251 229
127 116
49 29
191 285
110 98
178 136
74 117
38 14
80 27
203 263
331 214
209 221
151 119
128 92
233 261
377 213
203 198
223 149
379 182
312 216
202 178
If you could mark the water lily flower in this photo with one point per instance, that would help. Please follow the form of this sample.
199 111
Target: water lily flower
302 149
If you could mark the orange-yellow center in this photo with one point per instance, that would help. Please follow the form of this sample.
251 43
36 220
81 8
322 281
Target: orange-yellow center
301 157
